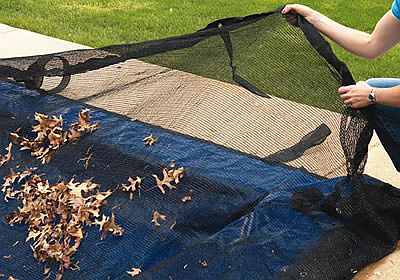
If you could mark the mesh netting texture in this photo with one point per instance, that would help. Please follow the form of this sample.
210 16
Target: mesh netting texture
249 107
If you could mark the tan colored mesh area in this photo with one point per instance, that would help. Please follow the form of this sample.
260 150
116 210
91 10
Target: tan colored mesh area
215 111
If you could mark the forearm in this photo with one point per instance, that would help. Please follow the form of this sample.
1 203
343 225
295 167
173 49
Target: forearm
388 96
371 46
354 41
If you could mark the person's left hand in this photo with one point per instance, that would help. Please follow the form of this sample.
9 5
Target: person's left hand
356 96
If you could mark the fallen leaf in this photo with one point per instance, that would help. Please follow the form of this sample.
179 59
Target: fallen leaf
86 161
134 185
165 181
187 197
7 257
47 270
101 222
83 123
177 174
150 140
76 266
7 157
156 216
134 272
116 229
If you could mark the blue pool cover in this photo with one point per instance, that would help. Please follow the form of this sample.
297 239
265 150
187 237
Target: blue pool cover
244 227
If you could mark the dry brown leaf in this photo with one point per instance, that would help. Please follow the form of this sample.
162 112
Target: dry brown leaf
76 266
177 174
33 235
74 135
56 138
110 226
134 272
47 270
83 123
116 229
101 223
7 257
165 181
150 140
101 196
156 216
86 161
134 185
7 157
170 176
187 197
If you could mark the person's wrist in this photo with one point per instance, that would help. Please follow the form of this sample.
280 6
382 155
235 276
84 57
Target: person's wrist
372 95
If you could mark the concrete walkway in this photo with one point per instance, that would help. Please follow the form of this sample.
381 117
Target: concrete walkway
18 43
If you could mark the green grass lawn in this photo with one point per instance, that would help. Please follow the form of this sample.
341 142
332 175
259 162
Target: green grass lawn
104 22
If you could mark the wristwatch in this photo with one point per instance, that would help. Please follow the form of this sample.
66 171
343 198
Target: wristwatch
371 96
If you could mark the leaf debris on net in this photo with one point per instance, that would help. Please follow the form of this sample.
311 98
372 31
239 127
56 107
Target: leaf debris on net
86 159
56 214
150 140
7 157
171 175
134 272
134 185
156 217
50 134
187 197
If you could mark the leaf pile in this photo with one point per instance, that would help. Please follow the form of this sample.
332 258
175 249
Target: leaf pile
50 134
56 215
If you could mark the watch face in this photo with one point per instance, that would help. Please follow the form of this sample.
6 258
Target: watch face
371 98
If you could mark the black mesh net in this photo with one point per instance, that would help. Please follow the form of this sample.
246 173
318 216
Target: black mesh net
249 107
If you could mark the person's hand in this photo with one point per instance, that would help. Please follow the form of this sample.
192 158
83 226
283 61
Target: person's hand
356 96
289 13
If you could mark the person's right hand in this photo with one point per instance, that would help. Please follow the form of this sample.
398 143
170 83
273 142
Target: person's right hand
289 10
